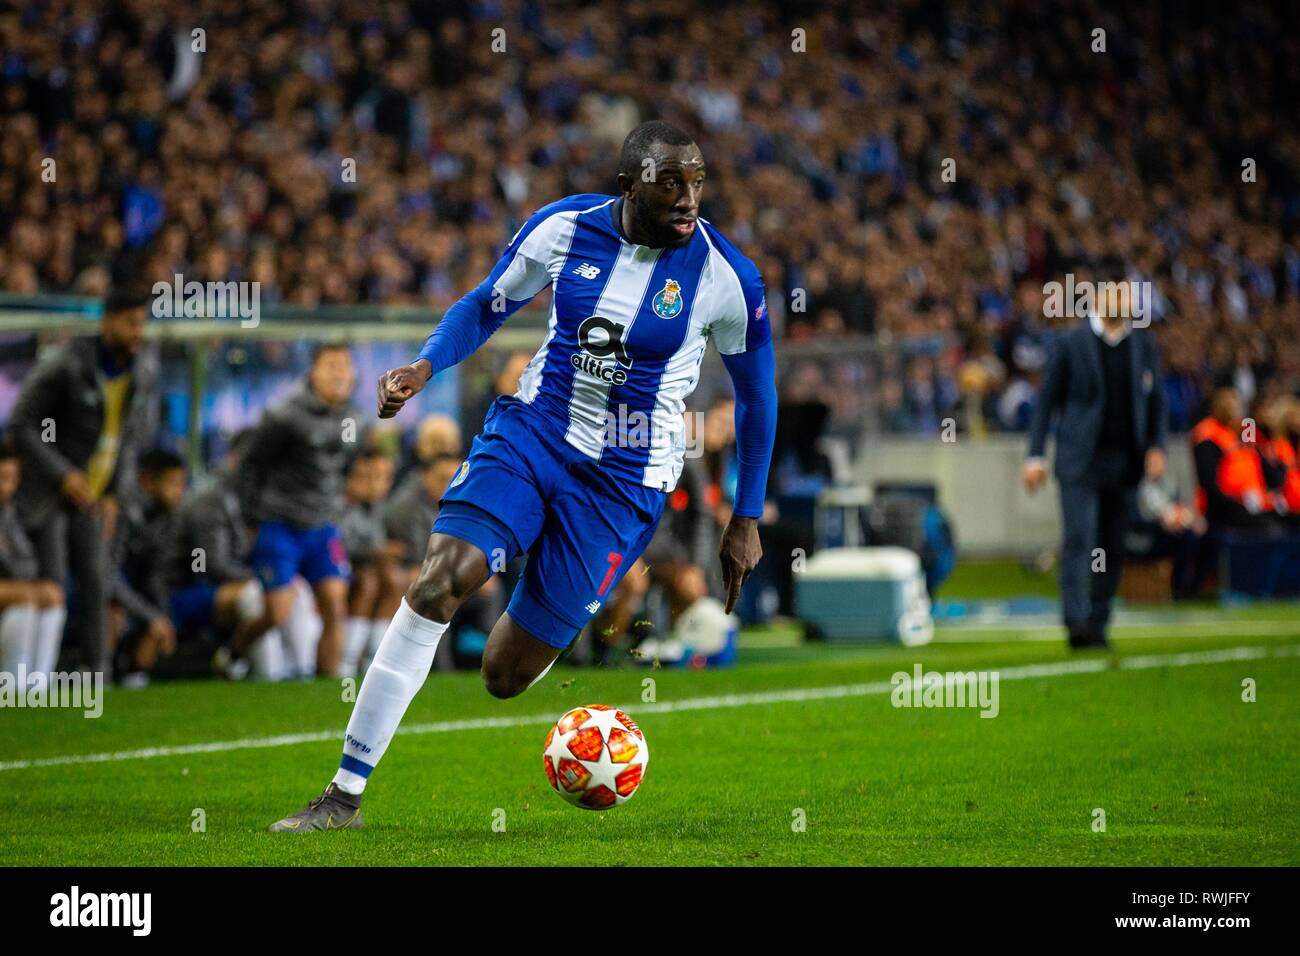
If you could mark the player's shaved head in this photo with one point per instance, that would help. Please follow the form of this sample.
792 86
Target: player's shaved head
646 142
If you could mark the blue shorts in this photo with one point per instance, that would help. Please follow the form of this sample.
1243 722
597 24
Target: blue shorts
193 606
525 490
283 551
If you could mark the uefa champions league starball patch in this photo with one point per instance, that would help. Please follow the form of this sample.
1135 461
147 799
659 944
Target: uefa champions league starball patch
668 300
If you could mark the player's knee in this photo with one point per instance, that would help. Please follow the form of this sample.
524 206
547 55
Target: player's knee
437 591
502 683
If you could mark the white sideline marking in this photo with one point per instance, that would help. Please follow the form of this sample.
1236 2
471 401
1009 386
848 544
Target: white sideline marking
1023 672
1051 631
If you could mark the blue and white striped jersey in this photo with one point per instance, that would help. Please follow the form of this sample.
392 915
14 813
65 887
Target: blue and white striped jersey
628 328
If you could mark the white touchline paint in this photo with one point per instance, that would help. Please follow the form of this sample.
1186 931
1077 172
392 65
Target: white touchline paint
1049 631
1093 665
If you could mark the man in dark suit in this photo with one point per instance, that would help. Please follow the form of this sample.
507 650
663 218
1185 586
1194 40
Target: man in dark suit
1103 383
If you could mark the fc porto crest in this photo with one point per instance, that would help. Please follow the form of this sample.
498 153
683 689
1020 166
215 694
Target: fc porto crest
668 300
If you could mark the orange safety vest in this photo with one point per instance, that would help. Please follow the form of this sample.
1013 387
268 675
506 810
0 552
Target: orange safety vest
1240 468
1286 454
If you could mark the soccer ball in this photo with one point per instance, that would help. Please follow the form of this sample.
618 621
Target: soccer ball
595 757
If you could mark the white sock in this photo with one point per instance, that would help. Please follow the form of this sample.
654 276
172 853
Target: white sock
251 603
356 633
49 636
395 676
266 656
17 637
302 634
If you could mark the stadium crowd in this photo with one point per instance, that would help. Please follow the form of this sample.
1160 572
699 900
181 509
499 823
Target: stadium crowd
915 173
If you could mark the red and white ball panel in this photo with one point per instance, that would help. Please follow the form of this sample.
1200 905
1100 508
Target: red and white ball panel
595 757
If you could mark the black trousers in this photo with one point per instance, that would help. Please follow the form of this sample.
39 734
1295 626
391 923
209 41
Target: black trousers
73 541
1096 516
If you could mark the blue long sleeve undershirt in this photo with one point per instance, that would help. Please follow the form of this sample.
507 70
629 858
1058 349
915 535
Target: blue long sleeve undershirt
753 376
466 326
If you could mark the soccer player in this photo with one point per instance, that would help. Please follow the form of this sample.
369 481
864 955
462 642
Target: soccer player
641 284
291 482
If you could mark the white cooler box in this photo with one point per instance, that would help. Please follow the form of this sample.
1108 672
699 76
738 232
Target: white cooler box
865 594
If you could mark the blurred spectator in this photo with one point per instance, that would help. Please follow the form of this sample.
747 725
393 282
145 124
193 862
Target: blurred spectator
1167 526
370 479
142 627
1232 490
1286 447
211 581
32 611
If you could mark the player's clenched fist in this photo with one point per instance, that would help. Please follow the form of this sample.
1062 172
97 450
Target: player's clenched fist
397 386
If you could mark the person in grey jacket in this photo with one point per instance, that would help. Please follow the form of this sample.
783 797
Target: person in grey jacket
82 418
291 482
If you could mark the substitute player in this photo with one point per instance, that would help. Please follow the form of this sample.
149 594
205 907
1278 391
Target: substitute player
291 480
574 468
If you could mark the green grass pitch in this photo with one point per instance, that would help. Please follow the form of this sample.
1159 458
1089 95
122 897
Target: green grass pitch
1186 772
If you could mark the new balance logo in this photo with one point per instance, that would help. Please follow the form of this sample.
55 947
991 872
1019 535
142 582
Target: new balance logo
593 607
587 270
